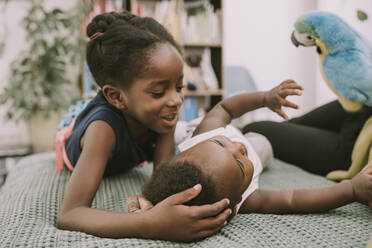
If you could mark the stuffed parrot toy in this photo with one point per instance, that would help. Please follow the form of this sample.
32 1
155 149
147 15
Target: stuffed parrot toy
345 56
346 67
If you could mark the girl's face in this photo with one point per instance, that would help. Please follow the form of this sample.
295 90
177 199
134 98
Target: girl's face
153 100
227 163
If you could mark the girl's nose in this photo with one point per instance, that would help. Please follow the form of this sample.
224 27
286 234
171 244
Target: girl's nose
175 99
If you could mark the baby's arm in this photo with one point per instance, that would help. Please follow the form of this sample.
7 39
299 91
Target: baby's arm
233 107
170 219
311 200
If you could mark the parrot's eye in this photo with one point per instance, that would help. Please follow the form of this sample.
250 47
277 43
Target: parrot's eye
309 37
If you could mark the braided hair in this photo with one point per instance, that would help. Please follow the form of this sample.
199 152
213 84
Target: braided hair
122 52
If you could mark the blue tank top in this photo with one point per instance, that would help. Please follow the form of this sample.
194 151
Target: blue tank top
126 154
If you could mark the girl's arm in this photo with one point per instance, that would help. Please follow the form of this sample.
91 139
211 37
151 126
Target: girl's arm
164 147
311 200
168 220
233 107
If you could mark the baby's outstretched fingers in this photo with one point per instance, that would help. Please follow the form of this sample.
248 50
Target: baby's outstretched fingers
289 104
290 92
291 84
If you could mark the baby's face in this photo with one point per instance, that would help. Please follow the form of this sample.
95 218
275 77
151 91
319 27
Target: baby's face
227 163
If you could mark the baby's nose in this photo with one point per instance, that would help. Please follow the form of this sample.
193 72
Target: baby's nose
241 148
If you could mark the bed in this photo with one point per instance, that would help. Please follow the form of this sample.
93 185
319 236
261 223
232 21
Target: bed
33 192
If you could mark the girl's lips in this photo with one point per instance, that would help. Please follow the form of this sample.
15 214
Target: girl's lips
170 120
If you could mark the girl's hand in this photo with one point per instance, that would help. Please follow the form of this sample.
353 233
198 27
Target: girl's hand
138 203
275 98
171 220
362 186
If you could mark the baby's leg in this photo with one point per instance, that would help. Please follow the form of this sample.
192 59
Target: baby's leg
262 147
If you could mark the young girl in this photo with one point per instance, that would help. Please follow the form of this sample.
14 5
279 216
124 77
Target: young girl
226 163
139 69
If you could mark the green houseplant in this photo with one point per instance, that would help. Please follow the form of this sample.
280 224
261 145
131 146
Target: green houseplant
39 79
44 77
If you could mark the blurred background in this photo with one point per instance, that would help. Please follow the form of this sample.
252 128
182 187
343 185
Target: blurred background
246 42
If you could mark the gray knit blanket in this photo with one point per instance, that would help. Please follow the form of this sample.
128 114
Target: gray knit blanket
32 195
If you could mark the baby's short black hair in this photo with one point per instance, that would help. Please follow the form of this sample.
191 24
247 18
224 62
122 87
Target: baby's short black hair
175 175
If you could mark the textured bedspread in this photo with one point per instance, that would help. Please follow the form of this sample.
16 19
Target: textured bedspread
32 194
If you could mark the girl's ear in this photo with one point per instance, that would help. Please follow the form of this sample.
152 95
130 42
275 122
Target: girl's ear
115 96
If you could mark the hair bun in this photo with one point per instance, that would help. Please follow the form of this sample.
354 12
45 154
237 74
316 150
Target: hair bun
102 22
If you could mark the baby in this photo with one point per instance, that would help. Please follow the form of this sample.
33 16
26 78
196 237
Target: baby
224 162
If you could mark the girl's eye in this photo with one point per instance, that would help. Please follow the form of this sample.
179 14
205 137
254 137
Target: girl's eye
157 94
179 88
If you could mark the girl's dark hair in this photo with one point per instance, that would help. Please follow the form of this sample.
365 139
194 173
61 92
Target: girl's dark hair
122 52
175 175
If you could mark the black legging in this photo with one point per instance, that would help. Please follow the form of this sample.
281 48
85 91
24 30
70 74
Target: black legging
319 141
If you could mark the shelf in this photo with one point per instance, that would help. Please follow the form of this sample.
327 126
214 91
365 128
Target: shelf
202 45
203 92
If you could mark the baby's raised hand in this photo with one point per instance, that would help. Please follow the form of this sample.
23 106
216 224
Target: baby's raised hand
362 186
275 98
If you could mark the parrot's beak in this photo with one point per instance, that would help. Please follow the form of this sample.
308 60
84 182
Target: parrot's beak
294 40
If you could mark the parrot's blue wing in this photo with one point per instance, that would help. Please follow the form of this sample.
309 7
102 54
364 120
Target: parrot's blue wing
350 73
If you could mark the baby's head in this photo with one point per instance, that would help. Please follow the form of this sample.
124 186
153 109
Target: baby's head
139 68
218 164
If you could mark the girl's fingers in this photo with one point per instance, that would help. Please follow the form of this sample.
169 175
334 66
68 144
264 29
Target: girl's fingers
184 196
144 203
212 223
132 204
210 210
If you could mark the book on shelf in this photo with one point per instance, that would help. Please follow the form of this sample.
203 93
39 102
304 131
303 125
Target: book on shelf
90 87
190 22
99 7
165 12
198 70
201 23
